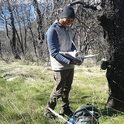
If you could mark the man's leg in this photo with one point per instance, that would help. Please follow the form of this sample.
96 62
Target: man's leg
60 79
65 94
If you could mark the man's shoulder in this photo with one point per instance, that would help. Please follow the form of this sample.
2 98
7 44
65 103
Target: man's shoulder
53 27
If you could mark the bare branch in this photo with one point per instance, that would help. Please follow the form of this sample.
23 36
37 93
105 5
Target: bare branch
86 5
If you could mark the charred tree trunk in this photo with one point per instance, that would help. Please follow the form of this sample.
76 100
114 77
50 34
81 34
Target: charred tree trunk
112 20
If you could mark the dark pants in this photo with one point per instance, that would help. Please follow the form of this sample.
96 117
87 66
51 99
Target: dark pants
63 81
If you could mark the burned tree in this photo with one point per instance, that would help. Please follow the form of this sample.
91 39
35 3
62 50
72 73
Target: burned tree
112 22
111 18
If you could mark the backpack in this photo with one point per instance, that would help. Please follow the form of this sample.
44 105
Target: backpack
86 114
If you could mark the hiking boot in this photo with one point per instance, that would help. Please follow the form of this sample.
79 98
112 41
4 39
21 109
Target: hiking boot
66 111
48 114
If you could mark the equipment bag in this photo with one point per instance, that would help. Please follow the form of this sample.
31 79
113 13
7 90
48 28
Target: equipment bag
104 64
86 114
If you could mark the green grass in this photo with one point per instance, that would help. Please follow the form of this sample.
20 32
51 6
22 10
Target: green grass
23 99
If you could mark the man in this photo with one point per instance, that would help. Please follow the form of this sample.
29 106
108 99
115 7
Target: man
60 39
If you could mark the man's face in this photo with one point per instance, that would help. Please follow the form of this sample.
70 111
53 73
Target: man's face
66 22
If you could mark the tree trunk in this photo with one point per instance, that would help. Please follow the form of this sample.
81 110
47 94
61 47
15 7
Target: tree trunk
38 18
13 39
20 38
112 22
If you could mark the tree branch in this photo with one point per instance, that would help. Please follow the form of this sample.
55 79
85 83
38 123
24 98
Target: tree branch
86 5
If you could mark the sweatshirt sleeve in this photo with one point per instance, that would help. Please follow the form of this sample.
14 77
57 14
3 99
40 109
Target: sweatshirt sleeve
53 46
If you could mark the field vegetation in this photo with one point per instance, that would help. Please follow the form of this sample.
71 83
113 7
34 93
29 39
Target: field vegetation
25 89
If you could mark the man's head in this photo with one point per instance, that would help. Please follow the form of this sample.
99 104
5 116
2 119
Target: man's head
67 16
67 12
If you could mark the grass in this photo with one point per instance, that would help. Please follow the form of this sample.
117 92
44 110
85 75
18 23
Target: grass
25 89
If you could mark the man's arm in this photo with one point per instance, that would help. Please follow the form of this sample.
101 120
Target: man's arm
52 40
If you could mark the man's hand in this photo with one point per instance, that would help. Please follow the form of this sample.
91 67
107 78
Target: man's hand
76 62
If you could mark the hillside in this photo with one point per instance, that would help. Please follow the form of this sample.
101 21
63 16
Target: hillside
24 91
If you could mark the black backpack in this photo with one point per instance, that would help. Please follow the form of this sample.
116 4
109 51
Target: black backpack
86 114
